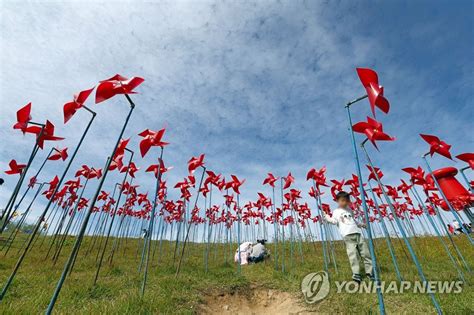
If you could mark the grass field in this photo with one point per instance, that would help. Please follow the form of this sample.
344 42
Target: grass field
118 287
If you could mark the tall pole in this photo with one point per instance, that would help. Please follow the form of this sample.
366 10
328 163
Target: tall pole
364 207
148 235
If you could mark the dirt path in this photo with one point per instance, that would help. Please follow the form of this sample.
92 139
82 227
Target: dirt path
254 301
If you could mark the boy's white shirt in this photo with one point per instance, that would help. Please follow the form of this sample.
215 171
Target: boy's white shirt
344 219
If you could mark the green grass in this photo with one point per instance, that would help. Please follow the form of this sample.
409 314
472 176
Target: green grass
118 288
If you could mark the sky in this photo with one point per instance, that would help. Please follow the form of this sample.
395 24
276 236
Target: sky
258 86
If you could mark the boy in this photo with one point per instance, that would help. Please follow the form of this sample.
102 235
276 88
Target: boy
351 233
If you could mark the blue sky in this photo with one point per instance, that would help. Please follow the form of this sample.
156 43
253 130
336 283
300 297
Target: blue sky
257 86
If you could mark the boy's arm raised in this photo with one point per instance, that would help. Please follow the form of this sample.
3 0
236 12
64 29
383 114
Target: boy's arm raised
332 220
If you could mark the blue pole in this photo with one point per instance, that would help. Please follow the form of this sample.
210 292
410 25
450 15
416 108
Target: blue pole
366 212
148 236
465 178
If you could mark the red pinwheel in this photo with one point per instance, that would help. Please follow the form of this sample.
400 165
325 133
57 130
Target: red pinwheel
235 184
404 188
370 81
103 195
116 85
270 180
212 178
417 175
195 162
120 151
60 154
132 169
96 173
46 135
318 177
88 172
437 146
116 163
337 187
154 168
15 168
151 139
374 172
373 130
77 102
204 190
288 181
53 183
32 182
468 158
23 116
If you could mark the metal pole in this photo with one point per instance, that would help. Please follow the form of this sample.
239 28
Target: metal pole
364 207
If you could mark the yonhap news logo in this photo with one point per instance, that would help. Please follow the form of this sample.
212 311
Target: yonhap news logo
315 287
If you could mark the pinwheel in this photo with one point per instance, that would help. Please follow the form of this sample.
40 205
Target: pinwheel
437 146
318 177
336 187
116 85
44 134
73 185
54 183
83 171
373 130
374 173
370 81
23 117
417 175
404 188
131 168
60 154
468 158
32 182
288 181
204 190
15 168
151 139
161 167
195 162
116 163
270 180
77 103
120 150
235 184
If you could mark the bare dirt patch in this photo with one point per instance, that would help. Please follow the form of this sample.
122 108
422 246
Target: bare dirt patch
253 301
